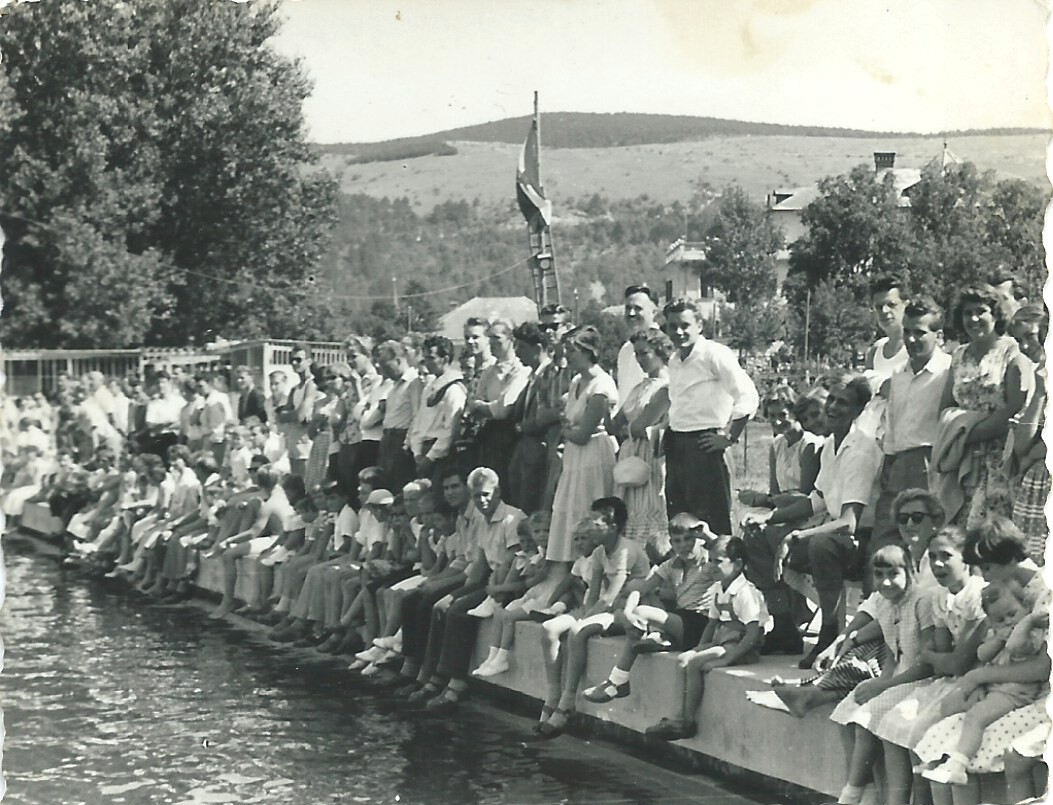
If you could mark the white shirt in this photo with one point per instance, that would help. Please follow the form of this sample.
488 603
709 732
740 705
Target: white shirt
629 372
435 422
912 417
847 474
709 389
345 528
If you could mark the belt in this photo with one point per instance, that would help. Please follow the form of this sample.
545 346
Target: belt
689 433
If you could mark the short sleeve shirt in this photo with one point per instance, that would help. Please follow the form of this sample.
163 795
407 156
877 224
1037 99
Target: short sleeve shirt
739 605
846 474
954 611
627 562
692 580
901 623
496 535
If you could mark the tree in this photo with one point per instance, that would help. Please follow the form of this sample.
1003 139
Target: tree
157 181
741 244
856 229
753 328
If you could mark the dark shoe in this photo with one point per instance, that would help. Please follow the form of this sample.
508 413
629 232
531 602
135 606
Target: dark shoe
404 691
289 635
607 692
442 704
556 725
331 645
423 695
672 729
351 643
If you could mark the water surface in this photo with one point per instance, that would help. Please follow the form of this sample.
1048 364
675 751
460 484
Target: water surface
107 700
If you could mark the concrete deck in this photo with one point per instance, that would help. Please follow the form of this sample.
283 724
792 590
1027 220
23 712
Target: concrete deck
812 752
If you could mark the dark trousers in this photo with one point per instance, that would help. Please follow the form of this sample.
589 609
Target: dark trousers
458 642
527 475
437 632
416 618
395 460
350 461
827 558
496 441
697 481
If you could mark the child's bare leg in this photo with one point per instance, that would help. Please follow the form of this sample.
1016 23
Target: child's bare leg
802 698
899 774
230 577
861 765
577 654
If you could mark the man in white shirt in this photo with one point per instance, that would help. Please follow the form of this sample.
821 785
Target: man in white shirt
641 306
216 416
296 413
707 391
400 408
912 416
434 428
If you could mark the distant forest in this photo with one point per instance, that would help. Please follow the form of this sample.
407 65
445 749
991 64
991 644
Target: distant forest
588 130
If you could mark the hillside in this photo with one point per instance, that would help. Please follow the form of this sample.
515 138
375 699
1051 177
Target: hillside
668 172
591 130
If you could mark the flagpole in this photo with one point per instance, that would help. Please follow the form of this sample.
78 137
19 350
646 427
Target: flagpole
537 125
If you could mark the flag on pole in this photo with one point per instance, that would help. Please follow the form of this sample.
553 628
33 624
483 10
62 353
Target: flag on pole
532 202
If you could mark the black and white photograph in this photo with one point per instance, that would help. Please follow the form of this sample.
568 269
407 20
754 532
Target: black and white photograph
567 402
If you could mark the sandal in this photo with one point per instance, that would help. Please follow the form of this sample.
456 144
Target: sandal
546 713
562 719
607 692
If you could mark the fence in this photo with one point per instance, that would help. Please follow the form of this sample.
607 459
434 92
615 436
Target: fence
27 371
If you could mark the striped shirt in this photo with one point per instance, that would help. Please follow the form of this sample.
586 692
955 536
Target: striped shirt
692 579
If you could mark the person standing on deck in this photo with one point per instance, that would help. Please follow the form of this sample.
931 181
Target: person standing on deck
707 390
641 305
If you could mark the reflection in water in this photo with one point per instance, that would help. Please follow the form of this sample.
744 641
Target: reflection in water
109 700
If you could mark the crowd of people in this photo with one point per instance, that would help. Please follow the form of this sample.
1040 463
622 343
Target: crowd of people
392 502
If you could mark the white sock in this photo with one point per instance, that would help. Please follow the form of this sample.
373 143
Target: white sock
618 676
501 655
850 795
490 657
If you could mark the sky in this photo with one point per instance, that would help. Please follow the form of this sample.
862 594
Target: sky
395 68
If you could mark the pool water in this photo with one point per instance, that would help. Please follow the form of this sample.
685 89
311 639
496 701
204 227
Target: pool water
109 700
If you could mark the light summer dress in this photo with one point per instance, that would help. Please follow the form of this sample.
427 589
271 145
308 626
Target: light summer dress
588 469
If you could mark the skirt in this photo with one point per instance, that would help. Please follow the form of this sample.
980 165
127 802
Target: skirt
1029 510
998 738
869 714
908 720
588 474
648 518
863 662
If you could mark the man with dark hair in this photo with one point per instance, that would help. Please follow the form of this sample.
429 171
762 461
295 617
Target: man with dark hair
552 385
528 466
296 413
251 401
707 391
403 402
1008 283
888 298
442 401
913 413
641 306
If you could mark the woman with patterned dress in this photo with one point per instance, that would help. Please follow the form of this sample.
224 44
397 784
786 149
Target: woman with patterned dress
989 376
588 454
641 419
1032 481
997 548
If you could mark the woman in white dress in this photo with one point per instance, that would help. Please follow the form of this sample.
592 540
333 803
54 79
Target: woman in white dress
588 453
639 423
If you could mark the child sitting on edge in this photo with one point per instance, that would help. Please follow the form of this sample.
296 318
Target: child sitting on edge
684 585
615 562
528 561
1013 635
738 620
538 584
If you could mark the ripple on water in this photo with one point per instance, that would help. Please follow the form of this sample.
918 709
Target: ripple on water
107 701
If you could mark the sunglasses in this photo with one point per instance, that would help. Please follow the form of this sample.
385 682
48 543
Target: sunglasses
549 326
296 360
912 517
